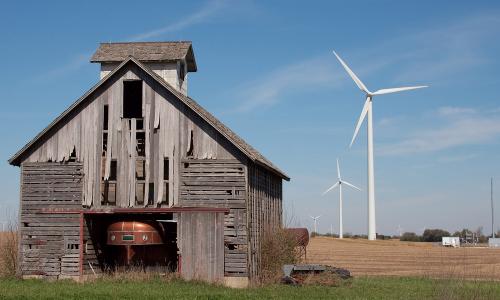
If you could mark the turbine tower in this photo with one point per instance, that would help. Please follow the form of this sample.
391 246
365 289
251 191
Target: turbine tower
339 184
367 110
315 223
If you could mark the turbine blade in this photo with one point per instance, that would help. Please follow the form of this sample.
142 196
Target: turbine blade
358 82
360 121
338 169
395 90
351 185
330 188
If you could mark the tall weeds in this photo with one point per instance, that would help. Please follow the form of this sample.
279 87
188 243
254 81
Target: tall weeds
278 247
9 250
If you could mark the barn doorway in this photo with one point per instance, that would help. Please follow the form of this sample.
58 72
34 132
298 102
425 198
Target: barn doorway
134 241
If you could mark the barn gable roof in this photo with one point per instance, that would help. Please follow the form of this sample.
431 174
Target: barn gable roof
146 52
237 141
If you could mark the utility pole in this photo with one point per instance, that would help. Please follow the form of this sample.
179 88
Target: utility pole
492 212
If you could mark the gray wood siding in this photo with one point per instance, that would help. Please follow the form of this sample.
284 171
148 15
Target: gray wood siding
264 209
202 245
172 131
49 243
221 183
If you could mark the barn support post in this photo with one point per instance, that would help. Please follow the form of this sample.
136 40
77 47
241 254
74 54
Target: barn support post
80 260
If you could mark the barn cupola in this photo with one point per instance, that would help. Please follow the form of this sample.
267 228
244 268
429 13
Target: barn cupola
170 60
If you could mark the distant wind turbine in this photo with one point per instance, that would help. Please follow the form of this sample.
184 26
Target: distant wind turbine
400 230
315 223
339 184
367 110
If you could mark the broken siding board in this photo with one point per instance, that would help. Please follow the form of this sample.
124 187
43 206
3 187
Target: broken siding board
47 240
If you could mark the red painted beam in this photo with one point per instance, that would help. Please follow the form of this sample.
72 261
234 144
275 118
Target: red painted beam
134 210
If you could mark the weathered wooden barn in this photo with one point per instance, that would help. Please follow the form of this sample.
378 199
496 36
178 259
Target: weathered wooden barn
136 148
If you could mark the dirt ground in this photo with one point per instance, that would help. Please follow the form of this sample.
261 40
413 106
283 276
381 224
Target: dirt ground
395 258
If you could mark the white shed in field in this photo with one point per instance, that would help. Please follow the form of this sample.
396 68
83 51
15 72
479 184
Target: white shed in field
494 242
451 241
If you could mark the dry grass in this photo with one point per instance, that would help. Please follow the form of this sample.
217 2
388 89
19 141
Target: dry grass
8 252
278 247
395 258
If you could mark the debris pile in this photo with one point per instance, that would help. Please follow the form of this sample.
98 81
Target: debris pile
308 274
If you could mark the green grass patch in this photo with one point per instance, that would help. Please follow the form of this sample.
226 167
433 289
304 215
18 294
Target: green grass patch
358 288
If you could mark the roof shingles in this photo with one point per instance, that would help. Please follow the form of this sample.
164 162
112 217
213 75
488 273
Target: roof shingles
146 52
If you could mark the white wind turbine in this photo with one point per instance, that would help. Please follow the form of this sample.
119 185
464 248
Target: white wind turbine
400 230
367 110
315 223
339 184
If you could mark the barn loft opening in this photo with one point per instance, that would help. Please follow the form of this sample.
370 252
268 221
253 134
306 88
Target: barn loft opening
132 99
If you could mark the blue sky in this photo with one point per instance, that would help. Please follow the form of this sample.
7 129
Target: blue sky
267 70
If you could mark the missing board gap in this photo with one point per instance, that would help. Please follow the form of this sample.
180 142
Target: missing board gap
113 170
166 166
151 194
72 155
105 117
191 146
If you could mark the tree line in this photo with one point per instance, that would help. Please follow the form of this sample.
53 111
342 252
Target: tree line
436 235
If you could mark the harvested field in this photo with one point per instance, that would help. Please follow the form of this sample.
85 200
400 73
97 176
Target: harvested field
395 258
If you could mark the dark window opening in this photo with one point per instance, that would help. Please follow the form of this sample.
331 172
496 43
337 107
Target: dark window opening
105 118
132 99
165 168
113 170
139 124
